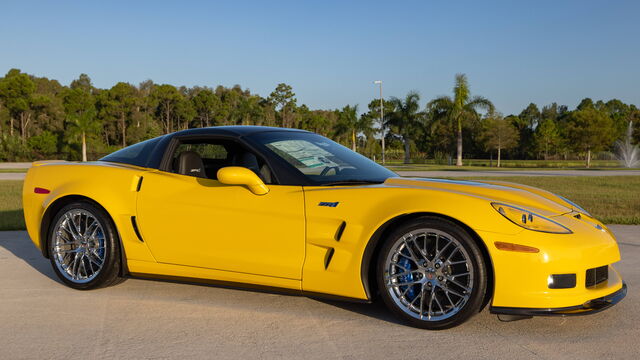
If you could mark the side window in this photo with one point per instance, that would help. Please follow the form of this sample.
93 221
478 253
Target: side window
137 154
200 159
206 151
203 158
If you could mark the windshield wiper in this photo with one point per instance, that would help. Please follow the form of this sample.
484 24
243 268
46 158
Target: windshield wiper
352 182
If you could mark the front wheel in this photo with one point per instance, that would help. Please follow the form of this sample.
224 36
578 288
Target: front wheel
83 247
431 273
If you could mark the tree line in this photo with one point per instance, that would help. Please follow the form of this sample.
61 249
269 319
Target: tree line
41 118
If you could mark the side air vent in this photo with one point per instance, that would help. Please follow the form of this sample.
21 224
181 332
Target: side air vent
327 258
340 231
139 184
135 228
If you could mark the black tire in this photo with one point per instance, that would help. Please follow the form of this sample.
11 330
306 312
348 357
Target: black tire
108 273
396 297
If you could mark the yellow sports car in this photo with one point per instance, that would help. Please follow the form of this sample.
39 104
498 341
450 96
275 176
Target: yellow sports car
290 209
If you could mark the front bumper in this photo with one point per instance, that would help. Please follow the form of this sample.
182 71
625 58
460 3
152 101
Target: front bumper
521 280
590 307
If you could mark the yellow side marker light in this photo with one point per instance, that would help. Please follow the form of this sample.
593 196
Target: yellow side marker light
515 247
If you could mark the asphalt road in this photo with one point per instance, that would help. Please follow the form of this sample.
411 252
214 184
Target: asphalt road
41 318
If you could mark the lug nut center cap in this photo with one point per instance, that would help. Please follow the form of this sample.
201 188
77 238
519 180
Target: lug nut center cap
430 275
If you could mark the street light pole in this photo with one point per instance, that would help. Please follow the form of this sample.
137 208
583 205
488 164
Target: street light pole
379 82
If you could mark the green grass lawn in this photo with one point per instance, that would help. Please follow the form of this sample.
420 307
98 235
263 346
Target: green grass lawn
13 170
612 199
477 164
428 167
11 205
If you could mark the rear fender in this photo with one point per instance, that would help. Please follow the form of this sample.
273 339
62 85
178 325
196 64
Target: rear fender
112 188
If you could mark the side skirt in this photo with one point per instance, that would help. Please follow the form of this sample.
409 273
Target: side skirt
244 287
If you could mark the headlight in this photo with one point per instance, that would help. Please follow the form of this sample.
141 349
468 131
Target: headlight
530 220
574 205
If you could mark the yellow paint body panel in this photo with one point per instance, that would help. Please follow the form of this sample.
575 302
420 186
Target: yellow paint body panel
170 270
112 186
200 228
202 223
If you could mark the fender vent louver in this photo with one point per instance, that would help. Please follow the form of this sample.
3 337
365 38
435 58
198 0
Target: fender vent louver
340 231
327 258
135 228
139 184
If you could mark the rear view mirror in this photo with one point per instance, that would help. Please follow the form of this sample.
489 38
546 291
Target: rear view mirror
236 175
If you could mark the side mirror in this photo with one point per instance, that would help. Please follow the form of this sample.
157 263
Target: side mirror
236 175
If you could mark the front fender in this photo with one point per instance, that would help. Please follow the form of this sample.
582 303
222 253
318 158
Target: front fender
365 211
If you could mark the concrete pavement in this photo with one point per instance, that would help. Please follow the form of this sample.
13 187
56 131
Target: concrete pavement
41 318
12 176
15 165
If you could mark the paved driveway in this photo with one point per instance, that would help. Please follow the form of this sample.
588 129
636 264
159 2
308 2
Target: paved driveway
41 318
15 165
12 176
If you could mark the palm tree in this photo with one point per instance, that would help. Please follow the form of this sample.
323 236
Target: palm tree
79 104
365 127
348 124
405 120
459 109
81 125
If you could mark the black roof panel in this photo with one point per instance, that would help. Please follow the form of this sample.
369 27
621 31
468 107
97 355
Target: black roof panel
238 130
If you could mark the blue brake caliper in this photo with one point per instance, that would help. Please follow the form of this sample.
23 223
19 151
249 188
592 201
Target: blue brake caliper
405 263
100 235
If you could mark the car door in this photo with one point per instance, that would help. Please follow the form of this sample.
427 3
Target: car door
198 221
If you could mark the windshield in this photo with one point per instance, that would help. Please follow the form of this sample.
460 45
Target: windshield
321 160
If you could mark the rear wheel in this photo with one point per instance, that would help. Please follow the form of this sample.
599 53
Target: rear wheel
431 273
83 247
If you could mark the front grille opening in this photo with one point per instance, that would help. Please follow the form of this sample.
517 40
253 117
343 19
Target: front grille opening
597 275
561 281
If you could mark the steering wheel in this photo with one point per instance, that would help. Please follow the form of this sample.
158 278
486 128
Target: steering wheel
328 168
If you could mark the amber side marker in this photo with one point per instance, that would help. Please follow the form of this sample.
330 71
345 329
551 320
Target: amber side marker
40 190
515 247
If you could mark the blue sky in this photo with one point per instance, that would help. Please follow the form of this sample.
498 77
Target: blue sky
514 52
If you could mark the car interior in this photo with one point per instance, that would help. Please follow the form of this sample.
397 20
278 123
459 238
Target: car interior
203 159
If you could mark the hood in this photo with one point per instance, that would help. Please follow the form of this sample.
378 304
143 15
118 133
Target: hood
504 192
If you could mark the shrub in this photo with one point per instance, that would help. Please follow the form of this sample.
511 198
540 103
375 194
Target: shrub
14 149
43 145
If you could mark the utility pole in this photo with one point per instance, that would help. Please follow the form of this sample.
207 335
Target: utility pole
379 82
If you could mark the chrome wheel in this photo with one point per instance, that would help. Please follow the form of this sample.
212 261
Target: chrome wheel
429 274
79 246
